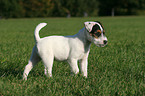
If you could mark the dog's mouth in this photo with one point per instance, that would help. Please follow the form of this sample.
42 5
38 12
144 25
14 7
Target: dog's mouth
101 45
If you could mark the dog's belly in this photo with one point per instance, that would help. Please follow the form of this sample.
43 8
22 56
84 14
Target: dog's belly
61 49
60 57
61 53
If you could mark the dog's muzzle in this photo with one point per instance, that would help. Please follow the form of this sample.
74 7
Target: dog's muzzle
102 45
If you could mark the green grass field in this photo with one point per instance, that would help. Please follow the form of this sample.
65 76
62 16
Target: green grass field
117 69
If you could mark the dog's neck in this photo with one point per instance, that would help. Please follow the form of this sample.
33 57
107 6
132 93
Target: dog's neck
82 36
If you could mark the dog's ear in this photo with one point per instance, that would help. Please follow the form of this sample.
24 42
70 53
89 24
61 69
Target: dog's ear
100 24
89 25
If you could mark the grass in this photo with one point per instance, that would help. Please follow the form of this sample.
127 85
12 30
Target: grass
117 69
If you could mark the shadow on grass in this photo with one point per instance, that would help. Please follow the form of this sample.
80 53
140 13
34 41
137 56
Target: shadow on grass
11 71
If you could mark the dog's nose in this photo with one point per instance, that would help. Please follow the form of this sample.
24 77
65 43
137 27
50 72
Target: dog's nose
105 41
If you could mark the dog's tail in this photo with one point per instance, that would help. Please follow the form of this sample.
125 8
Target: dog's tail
36 32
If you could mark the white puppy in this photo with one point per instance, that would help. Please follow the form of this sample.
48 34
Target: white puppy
70 48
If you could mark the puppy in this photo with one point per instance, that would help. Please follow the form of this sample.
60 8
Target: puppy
70 48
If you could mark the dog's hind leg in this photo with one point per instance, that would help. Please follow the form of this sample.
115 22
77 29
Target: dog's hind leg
48 63
32 62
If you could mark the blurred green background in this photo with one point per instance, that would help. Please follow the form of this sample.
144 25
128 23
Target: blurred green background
70 8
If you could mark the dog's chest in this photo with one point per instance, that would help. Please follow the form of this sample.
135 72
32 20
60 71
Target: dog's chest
78 49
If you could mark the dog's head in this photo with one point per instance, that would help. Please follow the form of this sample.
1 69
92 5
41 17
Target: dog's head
96 33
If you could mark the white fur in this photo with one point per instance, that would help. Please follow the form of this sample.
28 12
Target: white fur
36 32
71 48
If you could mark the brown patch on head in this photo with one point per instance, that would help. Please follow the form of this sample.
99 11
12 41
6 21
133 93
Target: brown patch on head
98 31
96 34
92 34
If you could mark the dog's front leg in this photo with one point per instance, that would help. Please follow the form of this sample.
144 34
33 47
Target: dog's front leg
83 66
74 66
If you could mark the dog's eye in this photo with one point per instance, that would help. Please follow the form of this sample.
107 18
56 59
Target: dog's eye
98 34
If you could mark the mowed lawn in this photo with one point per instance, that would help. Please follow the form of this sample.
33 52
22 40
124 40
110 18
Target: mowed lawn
116 69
